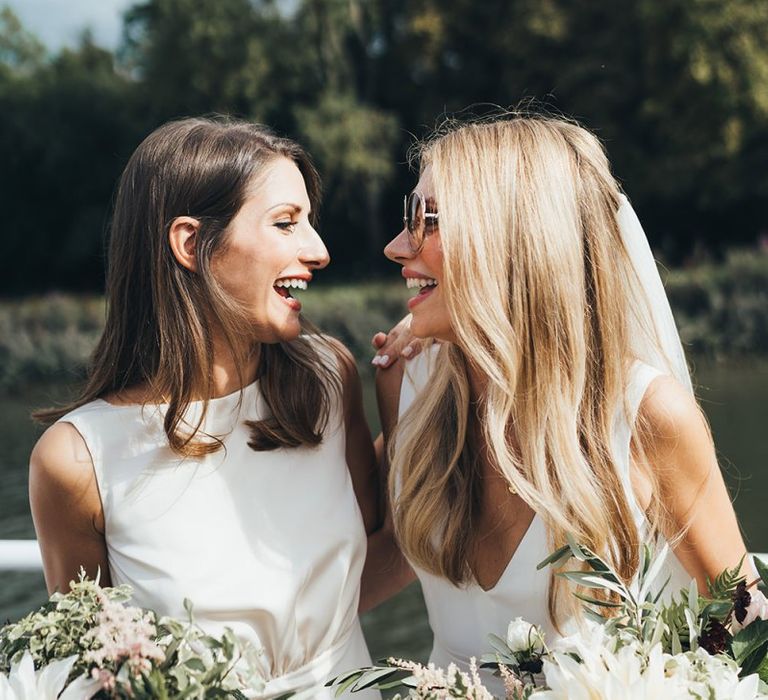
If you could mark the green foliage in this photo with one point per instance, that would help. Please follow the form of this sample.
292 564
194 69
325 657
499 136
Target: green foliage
676 89
58 629
722 309
44 339
20 51
724 585
47 338
750 646
177 660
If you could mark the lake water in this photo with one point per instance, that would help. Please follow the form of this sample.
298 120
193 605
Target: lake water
734 397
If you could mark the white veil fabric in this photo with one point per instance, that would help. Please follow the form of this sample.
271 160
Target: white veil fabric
665 352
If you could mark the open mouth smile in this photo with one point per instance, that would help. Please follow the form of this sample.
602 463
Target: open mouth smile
425 285
284 288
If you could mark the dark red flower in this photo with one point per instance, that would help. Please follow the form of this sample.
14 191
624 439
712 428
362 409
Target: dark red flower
741 601
715 638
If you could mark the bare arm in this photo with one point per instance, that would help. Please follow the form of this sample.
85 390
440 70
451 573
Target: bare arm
386 570
66 508
360 455
678 445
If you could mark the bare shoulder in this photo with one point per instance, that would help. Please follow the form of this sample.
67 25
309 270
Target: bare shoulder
66 507
670 413
62 482
60 458
675 433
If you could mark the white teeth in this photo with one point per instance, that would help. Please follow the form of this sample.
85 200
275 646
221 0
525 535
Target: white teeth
291 283
413 282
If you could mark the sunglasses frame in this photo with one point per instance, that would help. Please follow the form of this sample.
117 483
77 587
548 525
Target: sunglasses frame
416 242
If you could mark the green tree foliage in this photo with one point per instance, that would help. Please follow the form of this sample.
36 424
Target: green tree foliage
66 127
678 90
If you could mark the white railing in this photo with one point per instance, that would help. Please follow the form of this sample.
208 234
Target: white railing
20 555
24 555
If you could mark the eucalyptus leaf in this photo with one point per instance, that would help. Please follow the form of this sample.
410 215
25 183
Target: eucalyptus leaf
597 601
374 677
555 558
592 580
653 572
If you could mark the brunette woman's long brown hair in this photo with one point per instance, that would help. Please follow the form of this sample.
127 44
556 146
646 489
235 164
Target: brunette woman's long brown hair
160 316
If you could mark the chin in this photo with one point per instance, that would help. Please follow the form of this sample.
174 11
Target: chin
427 328
288 332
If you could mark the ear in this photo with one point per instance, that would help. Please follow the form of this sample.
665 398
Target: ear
182 236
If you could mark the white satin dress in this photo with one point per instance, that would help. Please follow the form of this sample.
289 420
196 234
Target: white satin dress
461 618
270 544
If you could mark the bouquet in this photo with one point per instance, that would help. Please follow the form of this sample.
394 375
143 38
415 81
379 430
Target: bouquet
631 644
89 643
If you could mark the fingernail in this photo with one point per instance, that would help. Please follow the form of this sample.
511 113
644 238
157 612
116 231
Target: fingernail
384 359
407 351
376 360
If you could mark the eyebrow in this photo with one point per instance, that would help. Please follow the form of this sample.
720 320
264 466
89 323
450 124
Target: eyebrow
295 208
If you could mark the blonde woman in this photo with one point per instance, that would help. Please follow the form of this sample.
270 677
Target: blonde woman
219 450
558 402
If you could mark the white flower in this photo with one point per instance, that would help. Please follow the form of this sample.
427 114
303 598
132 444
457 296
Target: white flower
523 636
611 667
24 683
711 677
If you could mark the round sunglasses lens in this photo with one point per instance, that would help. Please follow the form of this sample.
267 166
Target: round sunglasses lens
415 218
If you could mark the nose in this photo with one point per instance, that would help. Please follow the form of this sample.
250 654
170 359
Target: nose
313 252
399 249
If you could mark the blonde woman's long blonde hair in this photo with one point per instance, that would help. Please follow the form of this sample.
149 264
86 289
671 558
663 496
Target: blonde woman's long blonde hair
540 292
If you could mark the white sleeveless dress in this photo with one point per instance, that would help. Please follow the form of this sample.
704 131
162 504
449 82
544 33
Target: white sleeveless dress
270 544
461 618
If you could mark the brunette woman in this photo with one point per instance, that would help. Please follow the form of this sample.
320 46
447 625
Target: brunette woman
218 451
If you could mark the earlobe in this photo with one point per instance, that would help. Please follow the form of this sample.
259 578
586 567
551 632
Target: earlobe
182 237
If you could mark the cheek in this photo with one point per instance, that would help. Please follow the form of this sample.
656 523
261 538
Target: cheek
240 272
432 255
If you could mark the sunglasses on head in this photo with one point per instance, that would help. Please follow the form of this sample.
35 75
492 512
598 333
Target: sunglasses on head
415 218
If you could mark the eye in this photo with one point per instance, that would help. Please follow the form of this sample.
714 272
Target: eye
287 226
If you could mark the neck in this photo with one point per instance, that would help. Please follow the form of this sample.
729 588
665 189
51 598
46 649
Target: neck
226 379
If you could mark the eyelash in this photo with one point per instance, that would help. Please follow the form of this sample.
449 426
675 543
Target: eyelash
288 226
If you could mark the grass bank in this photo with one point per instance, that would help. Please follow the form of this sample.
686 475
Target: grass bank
721 309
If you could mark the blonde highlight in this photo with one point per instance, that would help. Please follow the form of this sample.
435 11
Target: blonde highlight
540 290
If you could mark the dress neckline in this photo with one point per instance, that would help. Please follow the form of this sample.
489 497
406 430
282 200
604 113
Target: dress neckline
523 542
212 402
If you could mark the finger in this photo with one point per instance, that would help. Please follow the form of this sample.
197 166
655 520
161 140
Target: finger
412 349
378 340
382 361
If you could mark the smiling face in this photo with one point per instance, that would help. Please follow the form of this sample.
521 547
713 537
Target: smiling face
270 251
423 272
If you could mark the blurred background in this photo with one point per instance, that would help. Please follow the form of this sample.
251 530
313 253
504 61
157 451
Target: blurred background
677 90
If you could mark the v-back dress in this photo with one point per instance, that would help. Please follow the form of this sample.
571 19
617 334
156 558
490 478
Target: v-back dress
270 544
462 617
